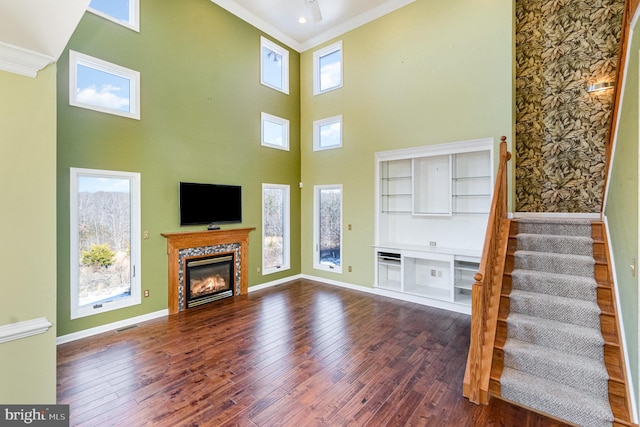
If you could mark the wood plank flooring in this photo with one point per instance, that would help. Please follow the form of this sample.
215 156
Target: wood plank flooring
298 354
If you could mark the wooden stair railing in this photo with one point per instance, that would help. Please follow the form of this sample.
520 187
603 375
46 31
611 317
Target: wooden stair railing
485 294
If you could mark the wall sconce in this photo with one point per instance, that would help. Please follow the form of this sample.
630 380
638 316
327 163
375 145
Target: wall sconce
599 87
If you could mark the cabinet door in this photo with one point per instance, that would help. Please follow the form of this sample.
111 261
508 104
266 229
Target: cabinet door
432 185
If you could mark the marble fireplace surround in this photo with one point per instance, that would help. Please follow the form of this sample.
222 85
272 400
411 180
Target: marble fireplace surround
202 243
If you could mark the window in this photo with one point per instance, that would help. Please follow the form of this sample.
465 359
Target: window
105 241
122 12
275 132
275 228
327 68
99 85
328 228
274 66
327 133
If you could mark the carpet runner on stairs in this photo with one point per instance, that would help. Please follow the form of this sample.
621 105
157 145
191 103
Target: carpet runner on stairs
554 352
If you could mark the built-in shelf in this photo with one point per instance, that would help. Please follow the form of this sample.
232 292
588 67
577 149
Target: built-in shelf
431 212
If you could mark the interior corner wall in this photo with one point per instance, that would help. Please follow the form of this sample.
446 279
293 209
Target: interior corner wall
28 230
428 73
201 100
561 131
621 209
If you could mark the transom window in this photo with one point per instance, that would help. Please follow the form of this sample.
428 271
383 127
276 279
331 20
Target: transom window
274 66
122 12
105 241
327 133
327 68
275 132
102 86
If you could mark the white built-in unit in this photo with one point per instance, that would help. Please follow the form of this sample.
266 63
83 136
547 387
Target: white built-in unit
432 206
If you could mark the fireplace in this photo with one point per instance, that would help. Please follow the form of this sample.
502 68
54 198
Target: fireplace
208 278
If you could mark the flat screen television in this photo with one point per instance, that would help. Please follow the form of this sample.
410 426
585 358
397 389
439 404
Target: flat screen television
210 204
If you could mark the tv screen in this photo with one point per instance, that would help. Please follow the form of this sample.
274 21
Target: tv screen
210 204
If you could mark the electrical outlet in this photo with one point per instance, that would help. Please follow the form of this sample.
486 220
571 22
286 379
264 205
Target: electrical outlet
349 227
349 269
432 244
258 269
146 293
145 235
433 273
633 267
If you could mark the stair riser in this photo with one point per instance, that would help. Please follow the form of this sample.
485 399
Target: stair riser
558 374
556 244
557 229
553 264
554 310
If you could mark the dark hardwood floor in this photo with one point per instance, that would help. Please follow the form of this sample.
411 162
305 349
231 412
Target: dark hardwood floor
298 354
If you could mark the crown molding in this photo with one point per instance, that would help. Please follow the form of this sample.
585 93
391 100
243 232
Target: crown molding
18 60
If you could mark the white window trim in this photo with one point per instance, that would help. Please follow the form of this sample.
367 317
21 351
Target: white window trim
285 134
285 64
316 67
76 58
134 16
286 265
316 132
135 258
316 228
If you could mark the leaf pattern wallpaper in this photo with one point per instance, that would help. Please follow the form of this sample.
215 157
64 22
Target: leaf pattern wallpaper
562 46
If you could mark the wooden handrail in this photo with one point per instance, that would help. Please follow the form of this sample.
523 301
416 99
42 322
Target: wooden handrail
630 9
486 290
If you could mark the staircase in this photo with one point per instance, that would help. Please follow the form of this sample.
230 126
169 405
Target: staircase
557 347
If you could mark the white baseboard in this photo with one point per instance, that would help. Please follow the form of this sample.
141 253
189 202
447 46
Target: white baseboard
110 327
446 305
634 407
274 283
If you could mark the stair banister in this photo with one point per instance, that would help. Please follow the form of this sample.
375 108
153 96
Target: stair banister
486 289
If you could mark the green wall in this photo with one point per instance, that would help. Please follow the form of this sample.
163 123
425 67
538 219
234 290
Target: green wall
429 73
621 207
28 230
201 100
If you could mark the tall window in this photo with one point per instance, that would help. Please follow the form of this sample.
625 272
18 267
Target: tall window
275 228
105 241
327 68
274 66
328 227
122 12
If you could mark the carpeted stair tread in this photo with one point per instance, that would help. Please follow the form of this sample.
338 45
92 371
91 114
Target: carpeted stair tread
576 245
563 285
555 399
561 309
578 340
578 265
573 227
579 372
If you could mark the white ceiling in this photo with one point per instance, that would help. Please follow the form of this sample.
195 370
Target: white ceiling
279 18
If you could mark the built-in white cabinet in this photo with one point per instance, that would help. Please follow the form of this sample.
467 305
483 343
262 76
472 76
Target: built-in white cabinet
431 215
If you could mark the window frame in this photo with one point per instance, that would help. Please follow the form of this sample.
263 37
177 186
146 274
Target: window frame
317 75
134 15
266 117
135 243
77 58
317 135
316 228
266 43
286 227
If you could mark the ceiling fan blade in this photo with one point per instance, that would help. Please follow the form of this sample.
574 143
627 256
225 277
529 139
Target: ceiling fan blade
315 10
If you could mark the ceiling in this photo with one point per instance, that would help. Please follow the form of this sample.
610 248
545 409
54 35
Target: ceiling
279 18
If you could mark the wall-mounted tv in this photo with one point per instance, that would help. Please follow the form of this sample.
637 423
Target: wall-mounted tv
210 204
